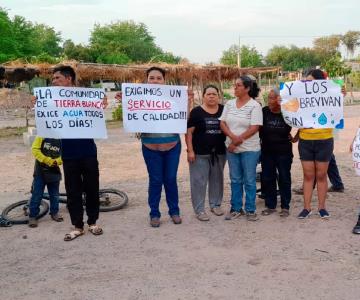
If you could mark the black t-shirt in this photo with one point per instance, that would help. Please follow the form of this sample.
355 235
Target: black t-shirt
207 136
274 133
78 148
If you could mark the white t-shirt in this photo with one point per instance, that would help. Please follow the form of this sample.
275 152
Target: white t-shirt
239 119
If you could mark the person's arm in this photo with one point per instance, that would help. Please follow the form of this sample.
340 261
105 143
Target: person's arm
189 144
296 137
39 156
247 134
225 129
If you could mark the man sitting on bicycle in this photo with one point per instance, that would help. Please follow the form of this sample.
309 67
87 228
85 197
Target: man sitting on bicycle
46 173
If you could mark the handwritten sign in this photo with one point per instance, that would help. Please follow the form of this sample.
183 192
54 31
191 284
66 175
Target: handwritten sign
70 112
154 108
356 153
312 104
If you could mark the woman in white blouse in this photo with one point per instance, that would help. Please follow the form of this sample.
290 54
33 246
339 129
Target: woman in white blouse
240 122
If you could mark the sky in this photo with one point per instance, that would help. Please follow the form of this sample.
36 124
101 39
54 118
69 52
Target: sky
199 30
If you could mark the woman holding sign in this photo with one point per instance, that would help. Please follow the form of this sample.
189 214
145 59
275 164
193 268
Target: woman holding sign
240 122
161 153
315 149
206 154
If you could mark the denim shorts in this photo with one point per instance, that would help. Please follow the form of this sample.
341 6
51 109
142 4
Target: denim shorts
316 150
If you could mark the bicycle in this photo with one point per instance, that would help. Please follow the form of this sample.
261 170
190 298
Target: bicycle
18 212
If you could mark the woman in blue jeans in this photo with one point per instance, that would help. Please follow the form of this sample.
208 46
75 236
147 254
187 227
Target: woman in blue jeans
240 122
161 153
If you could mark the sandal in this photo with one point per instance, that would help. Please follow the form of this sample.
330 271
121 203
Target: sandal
284 213
268 211
73 234
95 229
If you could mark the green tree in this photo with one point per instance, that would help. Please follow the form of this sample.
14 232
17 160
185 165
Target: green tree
166 57
20 38
124 38
7 44
77 52
335 67
328 44
351 41
47 40
292 58
250 57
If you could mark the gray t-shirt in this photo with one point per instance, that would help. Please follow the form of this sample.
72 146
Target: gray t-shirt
239 119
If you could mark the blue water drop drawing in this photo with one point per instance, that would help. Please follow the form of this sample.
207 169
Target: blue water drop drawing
281 85
322 119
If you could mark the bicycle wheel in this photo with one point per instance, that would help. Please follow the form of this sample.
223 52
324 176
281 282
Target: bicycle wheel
111 199
18 212
62 197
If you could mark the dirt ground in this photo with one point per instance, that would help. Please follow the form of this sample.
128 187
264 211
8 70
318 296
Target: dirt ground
269 259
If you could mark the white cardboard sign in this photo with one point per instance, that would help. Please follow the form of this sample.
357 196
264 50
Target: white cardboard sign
154 108
70 112
312 104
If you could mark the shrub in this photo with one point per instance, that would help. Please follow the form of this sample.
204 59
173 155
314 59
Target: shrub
117 114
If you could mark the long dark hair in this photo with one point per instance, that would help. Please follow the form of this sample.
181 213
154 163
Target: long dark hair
316 74
250 83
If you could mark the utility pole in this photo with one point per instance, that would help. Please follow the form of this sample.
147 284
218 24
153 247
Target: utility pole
239 55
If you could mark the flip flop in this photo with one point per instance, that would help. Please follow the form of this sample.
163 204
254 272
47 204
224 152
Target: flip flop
73 235
95 229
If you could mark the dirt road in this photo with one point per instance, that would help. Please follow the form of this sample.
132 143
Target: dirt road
268 259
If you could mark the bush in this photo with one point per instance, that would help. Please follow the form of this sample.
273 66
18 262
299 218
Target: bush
227 96
117 114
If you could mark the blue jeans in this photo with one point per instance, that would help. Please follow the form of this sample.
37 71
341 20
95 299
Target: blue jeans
333 174
242 167
37 194
162 167
271 164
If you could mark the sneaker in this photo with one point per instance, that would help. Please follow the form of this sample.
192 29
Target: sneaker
323 213
57 217
155 222
217 211
251 216
304 214
356 229
284 213
33 222
332 189
203 216
176 219
232 214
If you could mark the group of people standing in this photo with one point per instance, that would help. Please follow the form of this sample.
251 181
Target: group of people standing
240 132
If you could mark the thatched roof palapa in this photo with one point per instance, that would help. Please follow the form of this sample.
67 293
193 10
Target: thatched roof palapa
185 74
